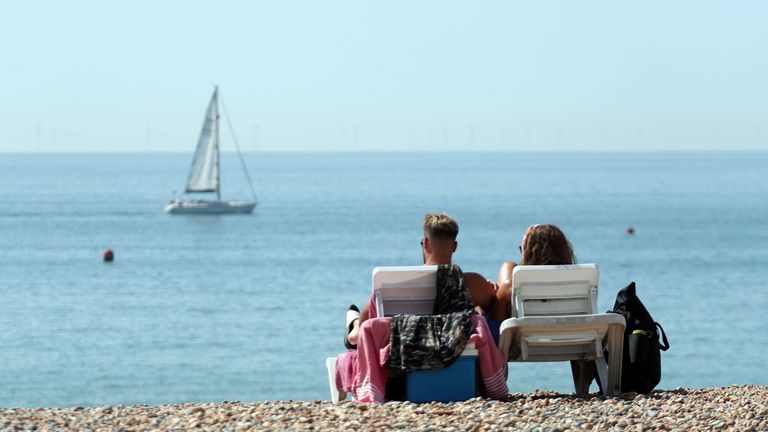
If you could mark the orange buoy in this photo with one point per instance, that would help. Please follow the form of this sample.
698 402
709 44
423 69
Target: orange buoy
108 255
630 230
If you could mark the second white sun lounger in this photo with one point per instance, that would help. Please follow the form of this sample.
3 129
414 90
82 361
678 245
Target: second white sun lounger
556 319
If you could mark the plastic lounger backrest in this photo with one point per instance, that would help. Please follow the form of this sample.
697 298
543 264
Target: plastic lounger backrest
404 289
554 290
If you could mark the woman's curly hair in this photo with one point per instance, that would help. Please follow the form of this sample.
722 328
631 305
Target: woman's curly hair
546 245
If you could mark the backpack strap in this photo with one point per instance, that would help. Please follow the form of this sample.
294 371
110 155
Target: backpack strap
665 345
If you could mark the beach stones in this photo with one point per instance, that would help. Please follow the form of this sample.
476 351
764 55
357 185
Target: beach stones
716 409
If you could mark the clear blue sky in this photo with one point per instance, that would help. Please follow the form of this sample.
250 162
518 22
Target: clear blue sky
397 75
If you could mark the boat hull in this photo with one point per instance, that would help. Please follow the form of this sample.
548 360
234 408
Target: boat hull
209 207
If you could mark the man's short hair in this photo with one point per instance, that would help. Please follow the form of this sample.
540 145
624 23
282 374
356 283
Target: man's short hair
440 226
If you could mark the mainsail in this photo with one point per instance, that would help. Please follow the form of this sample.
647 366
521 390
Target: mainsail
204 172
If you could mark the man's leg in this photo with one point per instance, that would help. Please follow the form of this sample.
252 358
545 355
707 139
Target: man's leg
350 321
355 332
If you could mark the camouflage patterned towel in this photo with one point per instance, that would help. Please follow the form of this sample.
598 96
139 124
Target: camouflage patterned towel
424 342
452 292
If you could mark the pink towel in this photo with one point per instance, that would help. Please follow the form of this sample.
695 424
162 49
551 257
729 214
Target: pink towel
346 368
493 362
373 353
346 362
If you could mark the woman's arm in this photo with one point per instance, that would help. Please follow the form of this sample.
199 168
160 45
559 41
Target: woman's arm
503 302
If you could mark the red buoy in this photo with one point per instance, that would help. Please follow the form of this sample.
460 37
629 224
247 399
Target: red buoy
108 255
630 230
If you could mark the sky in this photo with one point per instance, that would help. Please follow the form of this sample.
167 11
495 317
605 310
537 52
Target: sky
94 76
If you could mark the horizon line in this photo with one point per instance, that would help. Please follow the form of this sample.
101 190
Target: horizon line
399 151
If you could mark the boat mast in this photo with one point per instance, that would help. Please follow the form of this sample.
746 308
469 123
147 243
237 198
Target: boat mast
216 145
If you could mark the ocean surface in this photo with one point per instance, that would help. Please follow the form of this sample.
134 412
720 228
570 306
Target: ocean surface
213 308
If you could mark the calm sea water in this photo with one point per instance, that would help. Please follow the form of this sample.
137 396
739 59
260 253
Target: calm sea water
247 307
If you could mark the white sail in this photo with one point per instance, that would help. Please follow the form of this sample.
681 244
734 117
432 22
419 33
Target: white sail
204 172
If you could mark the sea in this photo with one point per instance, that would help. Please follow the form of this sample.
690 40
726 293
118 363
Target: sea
248 307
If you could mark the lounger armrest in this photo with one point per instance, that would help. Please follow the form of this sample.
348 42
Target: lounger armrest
513 329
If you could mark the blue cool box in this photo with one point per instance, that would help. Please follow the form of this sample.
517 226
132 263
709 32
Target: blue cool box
454 383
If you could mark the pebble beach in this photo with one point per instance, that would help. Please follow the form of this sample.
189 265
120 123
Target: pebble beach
734 408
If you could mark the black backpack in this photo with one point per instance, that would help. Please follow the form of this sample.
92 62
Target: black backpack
641 364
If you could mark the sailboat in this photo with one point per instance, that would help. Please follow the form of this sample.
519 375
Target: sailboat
204 174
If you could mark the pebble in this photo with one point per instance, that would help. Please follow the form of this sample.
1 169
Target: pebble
715 409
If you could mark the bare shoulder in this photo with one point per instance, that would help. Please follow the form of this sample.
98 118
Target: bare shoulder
509 264
482 291
505 271
476 279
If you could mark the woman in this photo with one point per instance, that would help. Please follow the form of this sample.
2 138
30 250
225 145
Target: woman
541 245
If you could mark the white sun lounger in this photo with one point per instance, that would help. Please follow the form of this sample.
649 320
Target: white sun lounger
396 290
556 319
404 289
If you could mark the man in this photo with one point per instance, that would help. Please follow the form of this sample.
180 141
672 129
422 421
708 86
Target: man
437 247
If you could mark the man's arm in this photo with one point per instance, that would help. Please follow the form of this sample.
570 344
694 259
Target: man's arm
481 290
